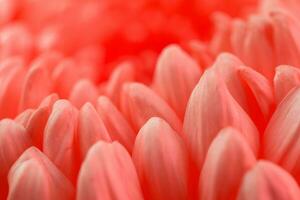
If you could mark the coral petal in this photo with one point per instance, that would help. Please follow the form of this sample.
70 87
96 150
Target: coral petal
108 173
59 137
228 158
117 126
168 178
90 128
140 103
211 108
175 77
266 181
34 176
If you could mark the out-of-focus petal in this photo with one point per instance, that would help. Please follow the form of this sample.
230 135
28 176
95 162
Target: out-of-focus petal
220 41
16 40
33 176
211 108
24 116
59 137
90 128
258 47
286 50
37 85
267 181
117 126
65 77
281 139
11 78
108 173
228 158
122 74
161 160
83 91
285 79
176 75
140 103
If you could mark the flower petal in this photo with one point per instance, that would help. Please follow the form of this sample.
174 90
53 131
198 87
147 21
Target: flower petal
176 75
140 103
229 157
13 141
59 137
285 79
122 74
90 128
34 176
266 181
161 160
281 139
37 86
83 91
108 173
117 126
211 108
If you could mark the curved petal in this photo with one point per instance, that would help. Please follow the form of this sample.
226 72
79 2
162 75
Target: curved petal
117 126
108 173
161 160
285 79
59 137
33 176
90 128
228 159
281 139
13 141
83 91
266 181
122 74
37 86
211 108
140 103
176 75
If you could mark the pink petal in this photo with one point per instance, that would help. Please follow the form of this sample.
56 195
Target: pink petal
239 30
123 73
65 77
13 141
49 100
49 60
108 173
220 41
11 77
161 160
34 176
37 86
281 139
228 158
117 126
267 181
283 39
176 75
211 108
285 79
36 125
263 93
258 46
59 137
90 128
140 103
16 40
24 116
82 92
